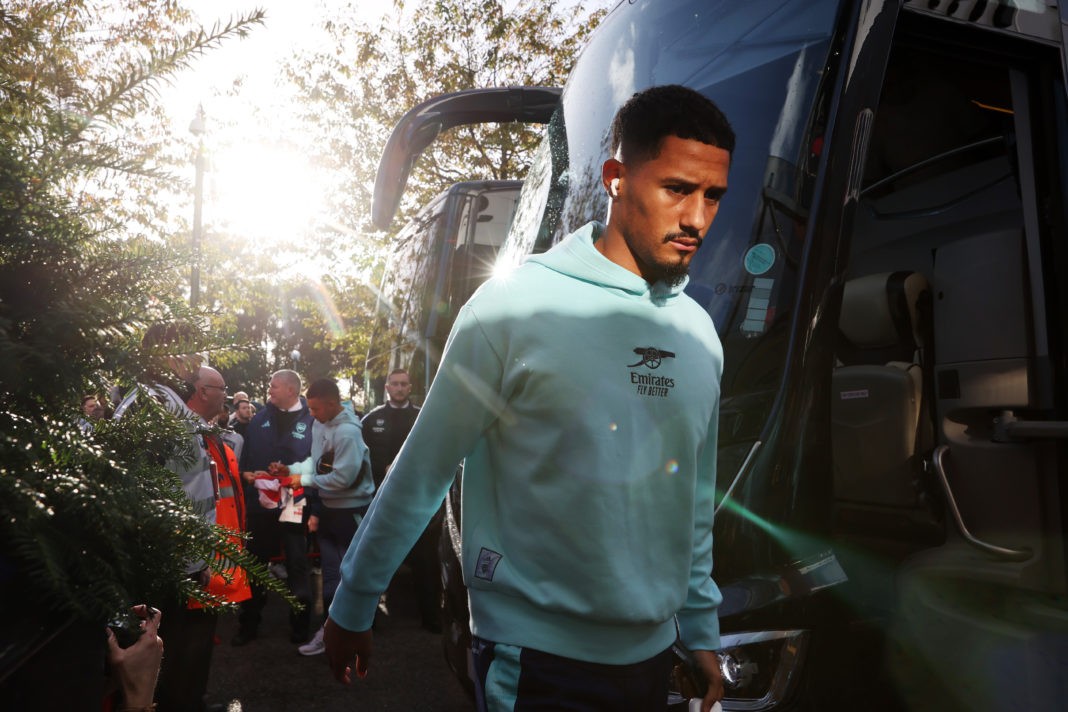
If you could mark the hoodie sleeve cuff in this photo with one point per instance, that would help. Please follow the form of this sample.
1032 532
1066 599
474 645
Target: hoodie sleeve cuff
699 630
353 611
302 468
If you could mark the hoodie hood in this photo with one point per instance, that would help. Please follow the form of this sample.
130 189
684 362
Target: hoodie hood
343 480
345 416
576 257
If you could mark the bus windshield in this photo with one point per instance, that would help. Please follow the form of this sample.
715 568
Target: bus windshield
765 64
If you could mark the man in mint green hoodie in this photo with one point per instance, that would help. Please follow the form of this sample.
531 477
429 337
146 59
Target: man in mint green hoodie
340 469
582 393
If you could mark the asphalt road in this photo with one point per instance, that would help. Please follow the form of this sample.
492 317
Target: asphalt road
408 671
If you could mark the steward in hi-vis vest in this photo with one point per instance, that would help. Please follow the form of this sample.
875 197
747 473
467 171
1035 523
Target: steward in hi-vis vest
230 513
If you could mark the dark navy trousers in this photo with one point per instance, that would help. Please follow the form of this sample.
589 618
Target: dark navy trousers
513 679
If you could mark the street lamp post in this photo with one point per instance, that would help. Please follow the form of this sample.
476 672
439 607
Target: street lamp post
197 127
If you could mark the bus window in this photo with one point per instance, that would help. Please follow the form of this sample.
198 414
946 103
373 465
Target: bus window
481 233
403 297
440 258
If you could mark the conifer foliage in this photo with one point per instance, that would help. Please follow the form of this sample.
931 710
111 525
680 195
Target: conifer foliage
90 522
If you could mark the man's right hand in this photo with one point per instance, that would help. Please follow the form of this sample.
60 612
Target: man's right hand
342 646
708 661
137 667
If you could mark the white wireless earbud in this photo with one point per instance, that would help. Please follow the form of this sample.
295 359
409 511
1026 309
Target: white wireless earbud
614 188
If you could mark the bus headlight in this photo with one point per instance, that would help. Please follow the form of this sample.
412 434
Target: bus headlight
760 668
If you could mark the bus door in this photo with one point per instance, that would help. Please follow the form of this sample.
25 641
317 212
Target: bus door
479 216
948 386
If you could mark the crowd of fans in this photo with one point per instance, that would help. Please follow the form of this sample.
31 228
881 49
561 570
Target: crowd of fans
295 475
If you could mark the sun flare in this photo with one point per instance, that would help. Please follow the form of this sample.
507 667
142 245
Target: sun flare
267 194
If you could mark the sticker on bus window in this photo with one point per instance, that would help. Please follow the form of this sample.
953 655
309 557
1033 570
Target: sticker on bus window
758 307
759 259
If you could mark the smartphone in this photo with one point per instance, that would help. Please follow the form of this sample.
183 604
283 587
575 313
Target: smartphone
127 626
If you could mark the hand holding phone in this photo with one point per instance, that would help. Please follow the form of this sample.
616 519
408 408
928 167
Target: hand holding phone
136 666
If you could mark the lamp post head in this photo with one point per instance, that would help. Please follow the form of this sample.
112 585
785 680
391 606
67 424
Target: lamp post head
199 123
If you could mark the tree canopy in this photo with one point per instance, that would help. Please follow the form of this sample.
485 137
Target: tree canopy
363 79
92 520
94 220
342 98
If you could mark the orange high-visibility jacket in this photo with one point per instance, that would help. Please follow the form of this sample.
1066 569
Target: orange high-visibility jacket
230 513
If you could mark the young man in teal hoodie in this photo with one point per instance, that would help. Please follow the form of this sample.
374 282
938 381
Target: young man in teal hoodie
340 469
582 393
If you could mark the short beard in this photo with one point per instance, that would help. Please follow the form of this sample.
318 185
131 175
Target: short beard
674 274
671 275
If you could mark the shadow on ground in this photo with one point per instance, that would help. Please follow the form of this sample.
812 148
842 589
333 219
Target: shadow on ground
408 671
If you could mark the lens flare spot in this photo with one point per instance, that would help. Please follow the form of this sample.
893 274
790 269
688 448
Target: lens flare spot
672 467
613 427
331 316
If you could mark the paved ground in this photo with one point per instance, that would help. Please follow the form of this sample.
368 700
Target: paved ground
267 675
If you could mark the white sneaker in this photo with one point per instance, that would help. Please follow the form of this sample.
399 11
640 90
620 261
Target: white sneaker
315 646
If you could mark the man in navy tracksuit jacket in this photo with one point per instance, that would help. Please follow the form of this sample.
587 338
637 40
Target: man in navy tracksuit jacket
281 432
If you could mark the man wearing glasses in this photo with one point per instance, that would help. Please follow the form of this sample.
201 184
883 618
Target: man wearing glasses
179 381
183 678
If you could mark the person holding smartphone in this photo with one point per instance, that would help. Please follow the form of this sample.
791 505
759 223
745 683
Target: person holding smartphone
134 667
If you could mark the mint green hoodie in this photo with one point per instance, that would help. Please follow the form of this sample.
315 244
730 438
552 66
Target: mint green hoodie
585 402
339 483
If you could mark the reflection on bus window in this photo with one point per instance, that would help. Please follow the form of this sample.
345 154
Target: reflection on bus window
440 258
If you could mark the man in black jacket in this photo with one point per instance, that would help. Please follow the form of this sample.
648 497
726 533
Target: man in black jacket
384 430
386 427
242 416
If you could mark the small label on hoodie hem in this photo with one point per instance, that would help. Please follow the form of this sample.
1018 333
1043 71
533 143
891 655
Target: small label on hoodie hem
487 564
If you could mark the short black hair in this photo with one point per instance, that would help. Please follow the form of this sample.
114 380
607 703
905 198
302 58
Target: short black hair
649 116
324 388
